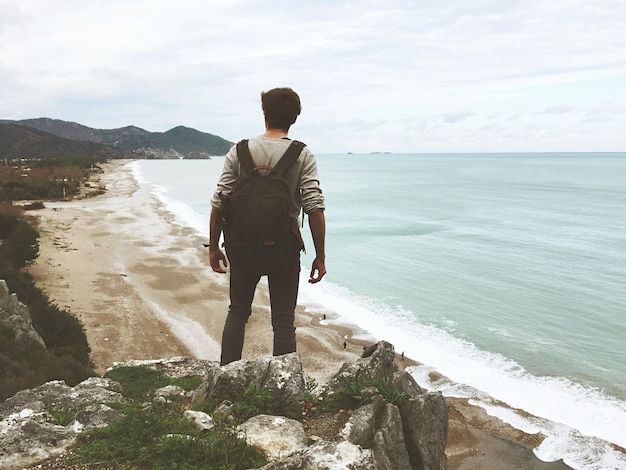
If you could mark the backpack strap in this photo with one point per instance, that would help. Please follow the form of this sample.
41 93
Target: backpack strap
289 157
245 159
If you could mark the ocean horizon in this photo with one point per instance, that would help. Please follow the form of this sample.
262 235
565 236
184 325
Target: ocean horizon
504 273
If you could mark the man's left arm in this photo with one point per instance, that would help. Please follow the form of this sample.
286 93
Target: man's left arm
313 204
317 224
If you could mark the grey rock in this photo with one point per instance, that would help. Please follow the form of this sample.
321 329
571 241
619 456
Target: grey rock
285 380
165 394
26 439
379 363
15 316
325 455
361 426
28 433
223 382
405 383
200 419
281 375
426 425
94 416
175 367
275 436
389 449
378 426
57 395
93 383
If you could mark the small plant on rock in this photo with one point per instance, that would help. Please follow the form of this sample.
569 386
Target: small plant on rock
252 401
358 391
62 415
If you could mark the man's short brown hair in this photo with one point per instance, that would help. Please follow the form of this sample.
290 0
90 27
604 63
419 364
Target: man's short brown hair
281 107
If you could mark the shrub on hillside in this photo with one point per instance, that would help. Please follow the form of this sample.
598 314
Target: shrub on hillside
62 332
67 355
8 223
22 367
21 245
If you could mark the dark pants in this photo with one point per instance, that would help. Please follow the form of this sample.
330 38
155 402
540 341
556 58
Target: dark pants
283 297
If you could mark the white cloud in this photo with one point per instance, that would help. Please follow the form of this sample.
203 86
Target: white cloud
559 109
372 75
608 108
451 118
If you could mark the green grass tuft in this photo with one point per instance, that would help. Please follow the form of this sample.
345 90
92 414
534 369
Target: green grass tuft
252 401
140 382
62 416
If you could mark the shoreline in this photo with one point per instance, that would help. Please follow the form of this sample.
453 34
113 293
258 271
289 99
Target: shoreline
146 291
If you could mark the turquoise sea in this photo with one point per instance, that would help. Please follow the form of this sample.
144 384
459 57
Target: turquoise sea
505 273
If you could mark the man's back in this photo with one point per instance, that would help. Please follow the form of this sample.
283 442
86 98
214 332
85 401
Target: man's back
301 177
281 107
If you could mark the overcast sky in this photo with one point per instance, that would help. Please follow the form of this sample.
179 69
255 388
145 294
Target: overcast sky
400 76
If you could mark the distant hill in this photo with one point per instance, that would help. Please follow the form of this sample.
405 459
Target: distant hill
179 141
20 141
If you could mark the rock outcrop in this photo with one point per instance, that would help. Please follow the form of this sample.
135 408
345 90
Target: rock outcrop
15 317
380 434
29 429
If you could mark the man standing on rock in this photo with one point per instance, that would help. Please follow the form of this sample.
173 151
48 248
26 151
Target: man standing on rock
280 259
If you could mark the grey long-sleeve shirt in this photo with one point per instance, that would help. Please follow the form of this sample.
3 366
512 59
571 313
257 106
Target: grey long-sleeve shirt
301 177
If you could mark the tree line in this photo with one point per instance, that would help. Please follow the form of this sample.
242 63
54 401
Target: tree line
50 178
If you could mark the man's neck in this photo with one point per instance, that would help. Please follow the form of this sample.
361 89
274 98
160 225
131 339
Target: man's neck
275 133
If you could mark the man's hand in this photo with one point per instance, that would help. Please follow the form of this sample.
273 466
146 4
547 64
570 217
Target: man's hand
318 270
217 259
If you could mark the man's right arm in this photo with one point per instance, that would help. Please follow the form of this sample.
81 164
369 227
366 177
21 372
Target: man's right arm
317 224
224 186
215 253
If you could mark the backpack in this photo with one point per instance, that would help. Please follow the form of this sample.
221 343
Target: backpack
260 235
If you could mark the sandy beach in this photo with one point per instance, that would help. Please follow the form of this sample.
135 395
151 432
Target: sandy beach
143 289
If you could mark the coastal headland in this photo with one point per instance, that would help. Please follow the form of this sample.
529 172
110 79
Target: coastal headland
143 289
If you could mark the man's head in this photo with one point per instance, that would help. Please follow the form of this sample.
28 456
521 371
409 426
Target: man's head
281 107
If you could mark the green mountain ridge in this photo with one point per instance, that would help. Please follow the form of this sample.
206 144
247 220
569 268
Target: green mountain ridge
25 142
180 139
